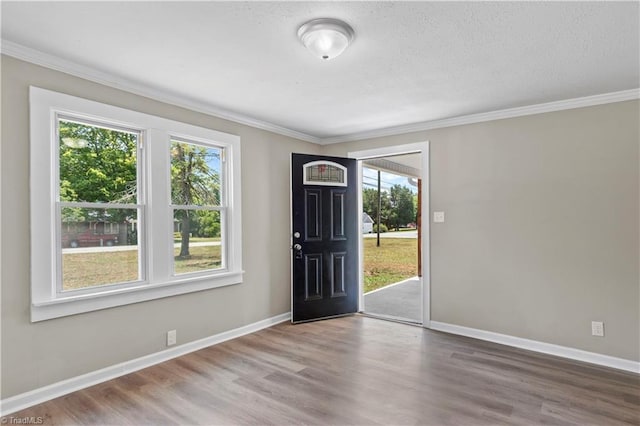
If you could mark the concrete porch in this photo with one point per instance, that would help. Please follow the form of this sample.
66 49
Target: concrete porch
400 301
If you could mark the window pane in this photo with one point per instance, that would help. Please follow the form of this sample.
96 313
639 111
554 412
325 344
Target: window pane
195 174
197 240
100 246
97 164
324 173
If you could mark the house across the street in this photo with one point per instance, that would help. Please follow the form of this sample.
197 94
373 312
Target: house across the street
367 223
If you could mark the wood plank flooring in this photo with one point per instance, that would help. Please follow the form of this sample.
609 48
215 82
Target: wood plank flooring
355 371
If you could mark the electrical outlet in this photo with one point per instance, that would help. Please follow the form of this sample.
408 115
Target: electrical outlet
438 217
597 328
171 337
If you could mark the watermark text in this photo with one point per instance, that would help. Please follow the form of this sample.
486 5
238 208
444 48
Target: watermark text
27 420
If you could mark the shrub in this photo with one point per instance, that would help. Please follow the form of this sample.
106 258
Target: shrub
383 228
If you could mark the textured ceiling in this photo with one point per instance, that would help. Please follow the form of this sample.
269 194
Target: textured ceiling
410 62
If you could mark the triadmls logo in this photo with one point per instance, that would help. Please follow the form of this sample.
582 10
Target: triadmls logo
27 420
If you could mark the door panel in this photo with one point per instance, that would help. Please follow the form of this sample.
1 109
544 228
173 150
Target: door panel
338 275
337 215
325 237
313 215
312 277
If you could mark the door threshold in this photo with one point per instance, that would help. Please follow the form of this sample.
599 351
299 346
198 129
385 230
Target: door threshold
323 318
391 318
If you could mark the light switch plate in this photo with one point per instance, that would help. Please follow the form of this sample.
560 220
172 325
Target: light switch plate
438 217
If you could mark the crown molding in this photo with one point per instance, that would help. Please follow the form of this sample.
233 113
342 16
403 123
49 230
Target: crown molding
587 101
58 64
53 62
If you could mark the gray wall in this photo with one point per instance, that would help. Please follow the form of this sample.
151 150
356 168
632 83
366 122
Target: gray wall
541 235
34 355
541 231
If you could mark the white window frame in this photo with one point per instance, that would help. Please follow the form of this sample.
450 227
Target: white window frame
221 207
156 239
140 207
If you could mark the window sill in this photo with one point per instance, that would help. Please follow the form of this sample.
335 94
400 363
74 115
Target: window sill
76 304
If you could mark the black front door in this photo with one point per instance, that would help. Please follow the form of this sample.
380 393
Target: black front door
324 237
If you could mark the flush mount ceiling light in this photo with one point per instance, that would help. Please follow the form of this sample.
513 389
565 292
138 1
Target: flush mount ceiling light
326 38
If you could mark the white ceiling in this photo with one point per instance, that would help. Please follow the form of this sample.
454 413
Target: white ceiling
411 62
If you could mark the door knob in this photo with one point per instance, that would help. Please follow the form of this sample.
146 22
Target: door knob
297 247
298 250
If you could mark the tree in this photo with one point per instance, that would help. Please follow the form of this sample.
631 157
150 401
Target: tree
208 224
194 182
97 165
370 204
402 207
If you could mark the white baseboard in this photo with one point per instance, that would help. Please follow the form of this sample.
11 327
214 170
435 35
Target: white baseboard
46 393
533 345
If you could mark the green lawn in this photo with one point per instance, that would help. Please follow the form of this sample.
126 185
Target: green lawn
200 259
81 270
395 260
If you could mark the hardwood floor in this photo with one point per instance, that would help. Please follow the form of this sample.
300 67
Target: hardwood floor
355 370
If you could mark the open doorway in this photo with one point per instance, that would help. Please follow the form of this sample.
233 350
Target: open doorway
391 205
412 294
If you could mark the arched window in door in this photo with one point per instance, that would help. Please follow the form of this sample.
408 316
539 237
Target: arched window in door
324 173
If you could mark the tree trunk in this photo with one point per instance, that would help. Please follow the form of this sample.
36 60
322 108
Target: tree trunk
185 233
379 210
186 199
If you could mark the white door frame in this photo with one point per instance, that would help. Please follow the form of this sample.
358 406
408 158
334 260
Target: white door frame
422 148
